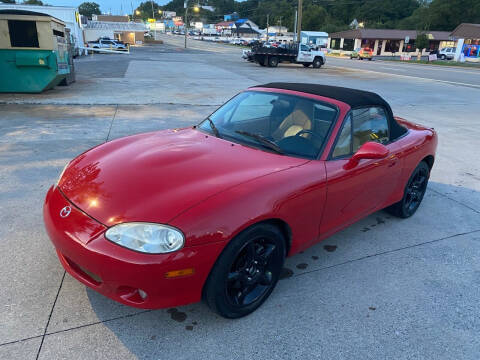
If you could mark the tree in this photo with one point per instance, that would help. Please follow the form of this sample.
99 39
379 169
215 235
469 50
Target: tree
8 1
88 9
33 2
145 10
421 42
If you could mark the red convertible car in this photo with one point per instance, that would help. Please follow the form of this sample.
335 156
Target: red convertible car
210 212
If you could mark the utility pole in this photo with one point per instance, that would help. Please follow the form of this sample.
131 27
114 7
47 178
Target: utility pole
295 26
154 22
186 22
268 17
300 6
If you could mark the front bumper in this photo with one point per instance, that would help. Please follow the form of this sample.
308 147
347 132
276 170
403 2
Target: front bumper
120 273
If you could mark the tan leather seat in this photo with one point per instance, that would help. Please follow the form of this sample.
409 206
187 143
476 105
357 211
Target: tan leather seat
295 122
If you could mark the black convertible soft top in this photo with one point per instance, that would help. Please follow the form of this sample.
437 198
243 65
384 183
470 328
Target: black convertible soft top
353 97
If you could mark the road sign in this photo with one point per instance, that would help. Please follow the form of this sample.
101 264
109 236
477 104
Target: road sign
407 39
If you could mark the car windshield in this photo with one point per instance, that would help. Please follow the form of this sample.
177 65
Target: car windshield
280 123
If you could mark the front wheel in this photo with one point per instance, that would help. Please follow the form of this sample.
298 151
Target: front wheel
317 63
413 193
246 272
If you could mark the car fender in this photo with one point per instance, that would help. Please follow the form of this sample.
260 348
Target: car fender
295 196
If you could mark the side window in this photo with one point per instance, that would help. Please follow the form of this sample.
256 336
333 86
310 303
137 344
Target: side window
369 124
343 146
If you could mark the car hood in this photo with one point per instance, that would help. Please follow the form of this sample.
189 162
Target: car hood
153 177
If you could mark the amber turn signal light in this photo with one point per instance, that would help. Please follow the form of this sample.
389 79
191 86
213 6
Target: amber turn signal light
178 273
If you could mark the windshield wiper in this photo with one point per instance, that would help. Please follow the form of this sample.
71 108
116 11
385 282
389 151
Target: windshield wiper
214 128
263 140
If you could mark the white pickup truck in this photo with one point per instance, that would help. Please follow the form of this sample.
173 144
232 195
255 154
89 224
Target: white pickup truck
107 44
294 53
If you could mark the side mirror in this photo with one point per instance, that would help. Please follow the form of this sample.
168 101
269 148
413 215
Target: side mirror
369 150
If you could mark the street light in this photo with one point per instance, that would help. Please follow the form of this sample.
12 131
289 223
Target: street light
196 9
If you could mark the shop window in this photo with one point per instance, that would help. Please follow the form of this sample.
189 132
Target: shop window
410 47
433 45
368 43
335 44
23 33
348 44
392 46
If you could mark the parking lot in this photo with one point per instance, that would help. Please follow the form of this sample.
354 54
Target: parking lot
382 288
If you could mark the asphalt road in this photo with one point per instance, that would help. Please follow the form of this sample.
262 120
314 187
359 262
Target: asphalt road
451 75
383 288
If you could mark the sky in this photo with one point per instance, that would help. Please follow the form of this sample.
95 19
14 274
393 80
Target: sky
116 7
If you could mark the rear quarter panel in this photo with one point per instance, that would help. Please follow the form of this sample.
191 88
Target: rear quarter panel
419 143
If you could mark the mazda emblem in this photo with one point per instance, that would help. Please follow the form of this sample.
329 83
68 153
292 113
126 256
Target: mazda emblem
65 211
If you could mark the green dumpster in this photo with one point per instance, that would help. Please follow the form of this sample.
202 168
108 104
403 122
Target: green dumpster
33 51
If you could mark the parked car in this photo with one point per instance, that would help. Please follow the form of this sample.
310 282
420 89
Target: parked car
210 212
103 43
446 53
362 53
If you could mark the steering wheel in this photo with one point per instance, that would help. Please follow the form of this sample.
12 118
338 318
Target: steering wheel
304 131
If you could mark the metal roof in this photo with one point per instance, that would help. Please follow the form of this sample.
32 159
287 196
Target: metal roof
115 26
466 31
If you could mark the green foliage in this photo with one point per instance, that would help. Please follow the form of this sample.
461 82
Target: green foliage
443 15
8 1
88 9
33 2
336 15
145 9
422 41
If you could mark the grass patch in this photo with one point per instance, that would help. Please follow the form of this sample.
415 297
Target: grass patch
438 62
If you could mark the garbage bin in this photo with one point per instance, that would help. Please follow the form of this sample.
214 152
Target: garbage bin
33 51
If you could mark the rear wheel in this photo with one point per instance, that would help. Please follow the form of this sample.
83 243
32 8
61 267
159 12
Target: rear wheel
246 272
273 61
413 193
443 57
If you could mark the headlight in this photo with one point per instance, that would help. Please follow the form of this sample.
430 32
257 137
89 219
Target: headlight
146 237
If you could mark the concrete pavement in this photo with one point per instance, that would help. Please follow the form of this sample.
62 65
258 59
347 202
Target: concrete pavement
383 288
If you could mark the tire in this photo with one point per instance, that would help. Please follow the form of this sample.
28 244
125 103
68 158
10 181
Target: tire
443 57
246 272
273 61
306 65
413 193
317 63
369 59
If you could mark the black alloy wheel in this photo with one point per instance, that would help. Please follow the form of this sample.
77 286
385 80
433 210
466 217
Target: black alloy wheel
246 272
317 63
414 192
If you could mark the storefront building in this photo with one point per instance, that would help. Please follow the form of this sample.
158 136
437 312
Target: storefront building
387 42
468 42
